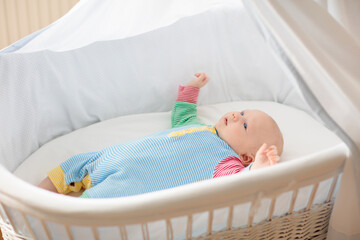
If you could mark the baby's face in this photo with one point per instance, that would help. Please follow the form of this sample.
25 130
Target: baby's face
247 130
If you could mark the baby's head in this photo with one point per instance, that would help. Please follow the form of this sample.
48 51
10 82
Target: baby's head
246 131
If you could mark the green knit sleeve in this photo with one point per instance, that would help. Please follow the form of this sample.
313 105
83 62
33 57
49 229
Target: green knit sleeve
183 114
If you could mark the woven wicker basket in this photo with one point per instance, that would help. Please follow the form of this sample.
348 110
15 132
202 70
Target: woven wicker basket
302 224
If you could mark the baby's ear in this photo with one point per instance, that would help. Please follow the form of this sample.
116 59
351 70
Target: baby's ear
246 159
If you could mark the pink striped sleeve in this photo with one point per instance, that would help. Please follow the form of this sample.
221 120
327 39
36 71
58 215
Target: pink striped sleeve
228 166
188 94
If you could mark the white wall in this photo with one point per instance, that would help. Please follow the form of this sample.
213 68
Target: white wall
19 18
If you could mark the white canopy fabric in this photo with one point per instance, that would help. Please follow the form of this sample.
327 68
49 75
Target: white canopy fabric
89 22
135 53
346 12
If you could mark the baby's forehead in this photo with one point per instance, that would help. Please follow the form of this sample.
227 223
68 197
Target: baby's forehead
256 114
260 118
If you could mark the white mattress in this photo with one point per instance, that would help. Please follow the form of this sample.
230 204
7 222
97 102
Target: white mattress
302 136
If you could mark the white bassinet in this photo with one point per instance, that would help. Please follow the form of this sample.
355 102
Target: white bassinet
274 200
108 72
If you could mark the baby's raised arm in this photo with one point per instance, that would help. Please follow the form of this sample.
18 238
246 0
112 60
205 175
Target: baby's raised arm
185 108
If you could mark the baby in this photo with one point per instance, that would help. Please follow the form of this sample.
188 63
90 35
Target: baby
188 152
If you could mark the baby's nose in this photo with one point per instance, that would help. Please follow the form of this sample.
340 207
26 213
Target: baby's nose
236 116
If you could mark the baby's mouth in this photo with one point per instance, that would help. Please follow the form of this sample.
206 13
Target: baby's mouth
226 121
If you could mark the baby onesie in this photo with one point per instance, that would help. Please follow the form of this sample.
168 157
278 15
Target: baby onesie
187 153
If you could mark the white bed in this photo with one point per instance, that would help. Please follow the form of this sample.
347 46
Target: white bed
304 139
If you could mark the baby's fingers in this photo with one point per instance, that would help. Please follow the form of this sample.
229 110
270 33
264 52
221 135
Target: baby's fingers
206 79
272 150
272 155
262 149
200 76
274 160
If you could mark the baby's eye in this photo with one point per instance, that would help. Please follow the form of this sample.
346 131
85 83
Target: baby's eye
242 113
245 126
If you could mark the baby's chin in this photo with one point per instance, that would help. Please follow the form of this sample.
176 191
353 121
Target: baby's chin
217 125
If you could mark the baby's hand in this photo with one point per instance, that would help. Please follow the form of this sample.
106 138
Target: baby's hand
265 157
201 80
